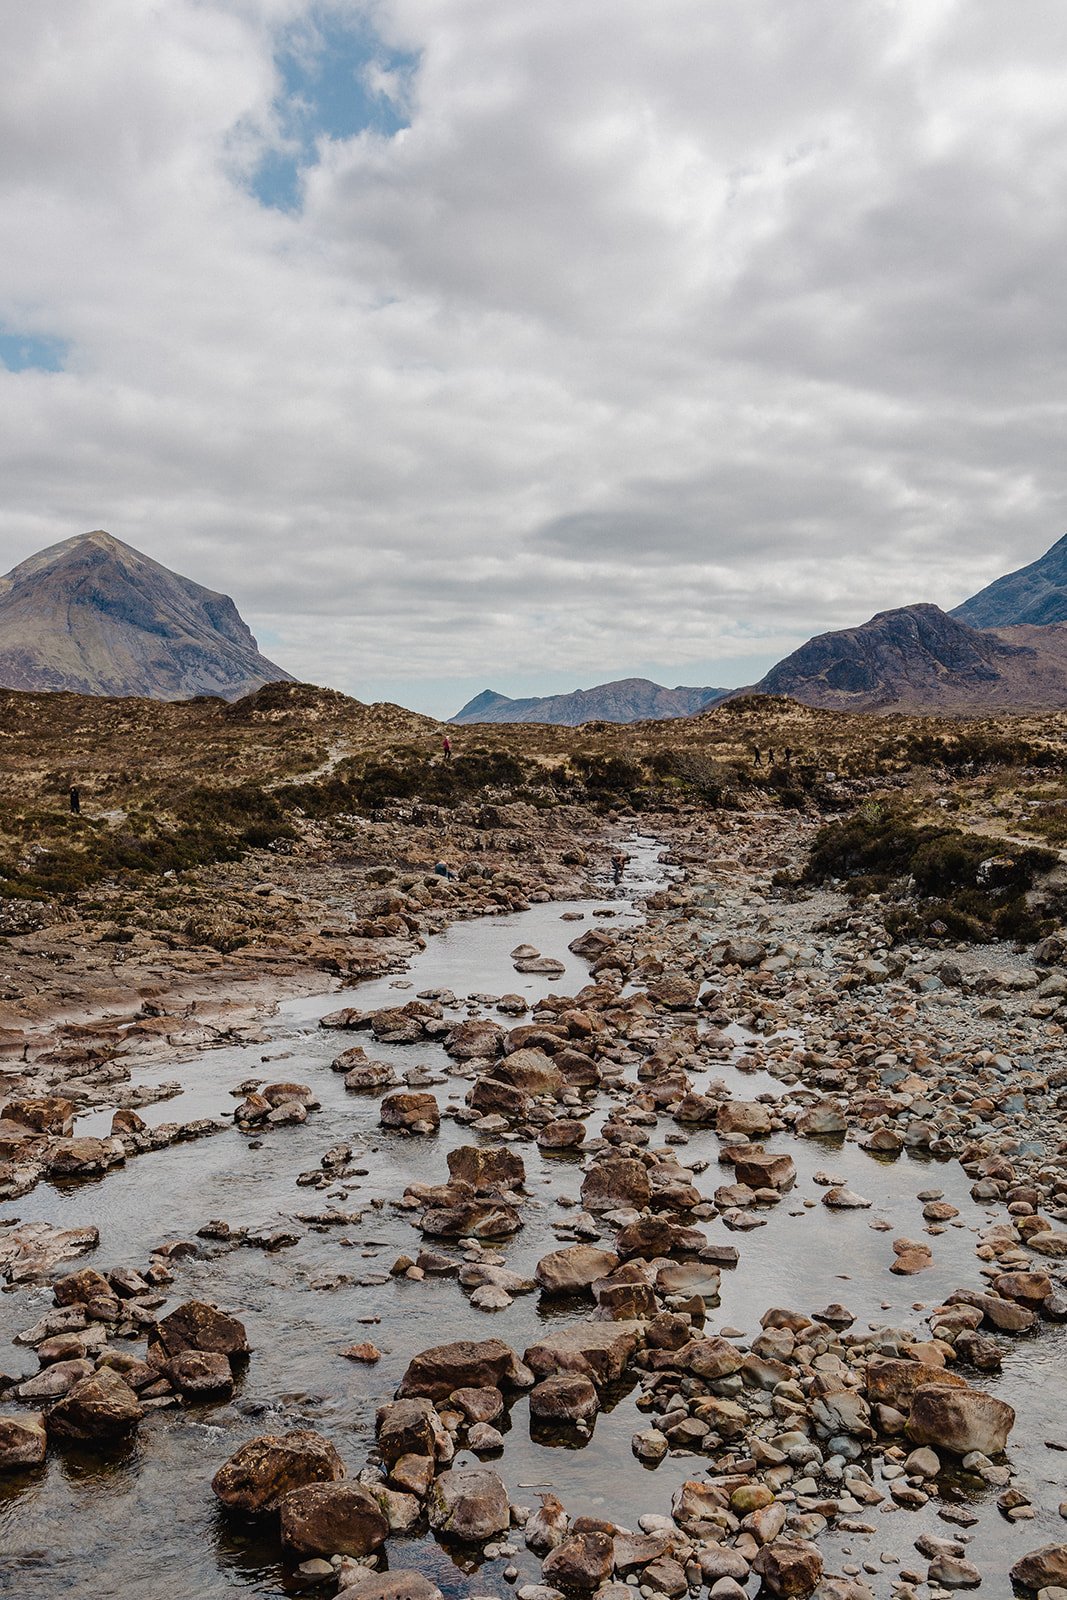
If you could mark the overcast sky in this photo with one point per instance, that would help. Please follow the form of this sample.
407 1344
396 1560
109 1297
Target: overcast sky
527 343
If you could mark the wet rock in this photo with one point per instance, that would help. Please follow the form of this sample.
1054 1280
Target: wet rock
710 1359
474 1041
616 1183
547 1528
596 1350
574 1270
367 1077
473 1219
366 1353
402 1584
953 1573
200 1373
332 1519
564 1134
465 1363
417 1112
84 1157
23 1441
764 1170
788 1567
744 1116
408 1427
196 1325
41 1114
486 1168
1043 1568
77 1288
470 1504
959 1420
841 1199
28 1253
99 1407
264 1469
57 1379
583 1562
567 1397
824 1120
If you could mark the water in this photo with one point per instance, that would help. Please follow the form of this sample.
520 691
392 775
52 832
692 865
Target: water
141 1519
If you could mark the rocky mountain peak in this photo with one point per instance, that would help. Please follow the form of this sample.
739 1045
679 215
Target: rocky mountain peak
96 616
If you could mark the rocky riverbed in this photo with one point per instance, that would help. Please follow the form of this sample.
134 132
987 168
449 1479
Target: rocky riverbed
692 1240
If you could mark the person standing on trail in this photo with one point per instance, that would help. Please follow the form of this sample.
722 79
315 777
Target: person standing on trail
446 746
757 759
618 866
75 801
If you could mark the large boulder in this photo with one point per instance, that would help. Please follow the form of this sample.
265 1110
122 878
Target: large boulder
469 1503
1042 1569
463 1364
471 1219
325 1519
761 1169
23 1441
788 1567
418 1113
408 1428
100 1407
485 1168
583 1561
262 1471
959 1420
567 1397
200 1326
532 1071
596 1350
617 1183
573 1270
476 1040
744 1116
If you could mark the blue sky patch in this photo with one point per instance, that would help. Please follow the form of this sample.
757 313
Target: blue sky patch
338 80
31 352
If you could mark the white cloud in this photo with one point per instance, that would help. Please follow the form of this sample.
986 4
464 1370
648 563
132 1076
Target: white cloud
663 333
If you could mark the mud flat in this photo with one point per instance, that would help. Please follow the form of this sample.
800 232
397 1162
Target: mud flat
685 1241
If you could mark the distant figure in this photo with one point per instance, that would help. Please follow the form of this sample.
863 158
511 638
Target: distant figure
442 871
75 800
788 753
618 867
757 759
770 758
446 746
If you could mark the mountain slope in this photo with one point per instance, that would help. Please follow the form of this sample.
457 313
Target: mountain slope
625 700
1033 594
919 658
95 616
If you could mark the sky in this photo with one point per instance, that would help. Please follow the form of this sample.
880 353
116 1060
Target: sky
494 344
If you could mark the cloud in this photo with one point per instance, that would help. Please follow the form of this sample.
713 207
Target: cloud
487 341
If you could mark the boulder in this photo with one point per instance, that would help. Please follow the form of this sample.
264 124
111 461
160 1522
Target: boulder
265 1469
409 1427
409 1109
1042 1569
23 1441
599 1351
200 1373
616 1183
574 1270
583 1561
788 1567
760 1169
744 1116
959 1420
476 1040
99 1407
485 1168
196 1325
567 1397
474 1219
324 1519
469 1503
465 1363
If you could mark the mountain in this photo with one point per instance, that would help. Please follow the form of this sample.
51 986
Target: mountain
95 616
626 700
1034 594
918 658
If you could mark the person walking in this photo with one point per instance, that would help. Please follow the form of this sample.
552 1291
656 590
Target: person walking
446 746
75 800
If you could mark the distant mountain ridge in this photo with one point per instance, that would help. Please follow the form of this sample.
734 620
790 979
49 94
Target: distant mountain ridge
624 700
919 658
95 616
1033 594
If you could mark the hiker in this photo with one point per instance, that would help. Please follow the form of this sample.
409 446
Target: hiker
757 759
446 746
75 801
618 866
442 871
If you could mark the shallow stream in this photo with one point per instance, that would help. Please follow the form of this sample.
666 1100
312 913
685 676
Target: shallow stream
140 1521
